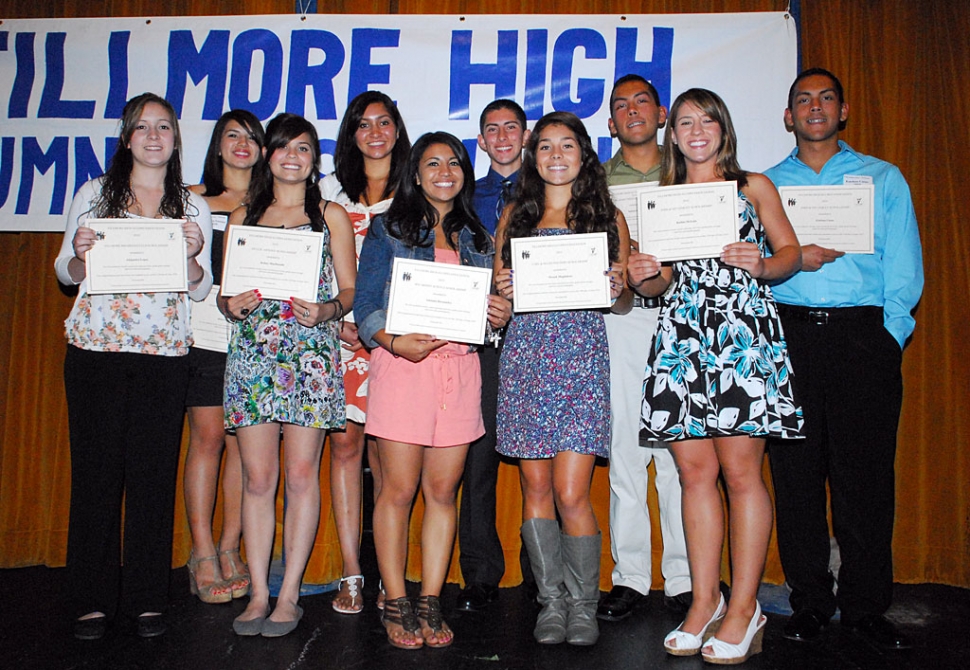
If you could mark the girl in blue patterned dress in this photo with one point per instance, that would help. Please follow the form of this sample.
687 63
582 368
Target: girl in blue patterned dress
718 379
554 386
284 370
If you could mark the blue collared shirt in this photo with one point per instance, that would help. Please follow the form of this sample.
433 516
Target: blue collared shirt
488 190
892 277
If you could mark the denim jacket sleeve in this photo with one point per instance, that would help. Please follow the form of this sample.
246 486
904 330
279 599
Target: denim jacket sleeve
373 271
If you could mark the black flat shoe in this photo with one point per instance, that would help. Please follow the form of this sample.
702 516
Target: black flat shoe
805 624
476 597
91 629
618 604
680 603
151 625
878 631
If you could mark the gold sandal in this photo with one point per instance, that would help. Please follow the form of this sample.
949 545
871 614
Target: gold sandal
219 591
354 586
239 579
399 612
429 615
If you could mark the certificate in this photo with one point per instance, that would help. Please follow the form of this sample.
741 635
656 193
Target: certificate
835 217
626 197
561 272
210 329
440 299
136 256
689 220
280 263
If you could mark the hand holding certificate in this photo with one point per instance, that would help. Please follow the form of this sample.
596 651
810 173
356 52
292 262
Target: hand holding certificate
834 217
688 221
136 256
561 272
440 299
280 263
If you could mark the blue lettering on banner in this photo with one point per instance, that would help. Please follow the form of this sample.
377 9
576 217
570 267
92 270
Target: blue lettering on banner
117 74
6 168
35 157
86 163
656 71
51 104
362 71
210 62
604 148
464 73
243 48
24 80
535 73
319 77
589 92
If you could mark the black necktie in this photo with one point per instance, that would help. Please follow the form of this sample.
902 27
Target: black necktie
504 198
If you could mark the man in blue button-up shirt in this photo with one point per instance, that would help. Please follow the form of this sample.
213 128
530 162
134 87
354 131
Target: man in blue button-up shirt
846 318
503 134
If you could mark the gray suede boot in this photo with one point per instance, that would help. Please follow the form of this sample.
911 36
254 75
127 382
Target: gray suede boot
581 558
541 540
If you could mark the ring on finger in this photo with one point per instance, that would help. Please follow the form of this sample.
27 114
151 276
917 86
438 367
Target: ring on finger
244 311
306 313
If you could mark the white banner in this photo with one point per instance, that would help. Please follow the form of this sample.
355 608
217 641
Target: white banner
63 83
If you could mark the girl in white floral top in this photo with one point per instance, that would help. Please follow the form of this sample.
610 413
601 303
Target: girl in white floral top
125 376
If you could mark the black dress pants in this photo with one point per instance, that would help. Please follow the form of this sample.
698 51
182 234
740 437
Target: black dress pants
847 378
125 417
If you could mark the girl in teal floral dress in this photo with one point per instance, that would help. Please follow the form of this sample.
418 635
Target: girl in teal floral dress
283 370
718 379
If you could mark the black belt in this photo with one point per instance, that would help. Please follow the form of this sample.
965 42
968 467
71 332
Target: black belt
645 303
821 316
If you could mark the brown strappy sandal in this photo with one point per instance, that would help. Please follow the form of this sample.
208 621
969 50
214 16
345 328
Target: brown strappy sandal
399 612
429 615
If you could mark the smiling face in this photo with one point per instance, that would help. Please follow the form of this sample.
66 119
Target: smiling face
502 139
816 113
558 155
237 147
152 140
293 162
635 116
696 134
440 177
376 132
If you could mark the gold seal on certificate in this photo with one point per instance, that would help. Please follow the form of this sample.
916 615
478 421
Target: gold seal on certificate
834 217
136 256
280 263
626 197
688 221
440 299
560 272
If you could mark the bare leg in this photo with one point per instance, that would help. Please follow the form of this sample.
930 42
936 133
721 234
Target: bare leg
231 505
703 527
302 448
572 475
538 501
200 482
346 456
374 463
259 449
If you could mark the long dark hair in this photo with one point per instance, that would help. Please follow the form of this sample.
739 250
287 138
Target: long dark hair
411 218
590 209
673 167
348 162
212 168
116 194
283 129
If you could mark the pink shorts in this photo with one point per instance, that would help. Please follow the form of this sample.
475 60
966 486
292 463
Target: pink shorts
434 403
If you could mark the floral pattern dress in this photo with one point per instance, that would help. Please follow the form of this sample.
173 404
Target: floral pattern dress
278 370
719 364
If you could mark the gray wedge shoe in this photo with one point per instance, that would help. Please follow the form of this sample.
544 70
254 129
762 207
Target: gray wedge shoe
581 561
541 539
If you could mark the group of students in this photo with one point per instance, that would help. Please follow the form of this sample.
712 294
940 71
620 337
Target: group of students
713 385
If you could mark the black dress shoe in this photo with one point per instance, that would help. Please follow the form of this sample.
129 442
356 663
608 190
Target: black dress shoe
90 629
618 604
878 631
804 625
476 597
151 625
680 603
